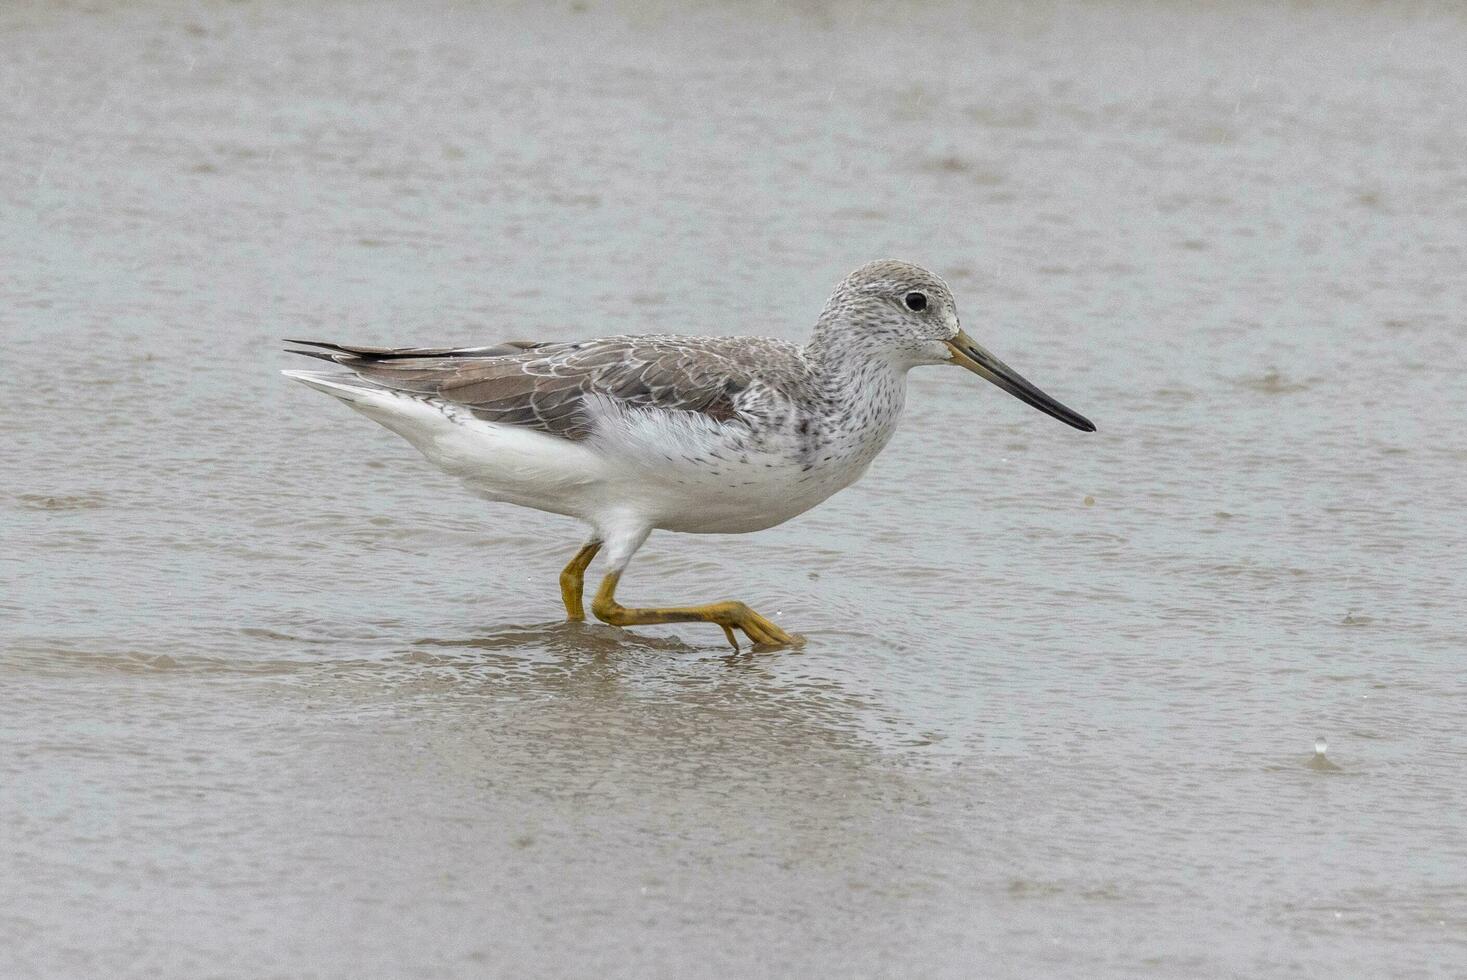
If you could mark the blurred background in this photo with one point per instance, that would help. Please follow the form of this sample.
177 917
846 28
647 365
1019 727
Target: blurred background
280 700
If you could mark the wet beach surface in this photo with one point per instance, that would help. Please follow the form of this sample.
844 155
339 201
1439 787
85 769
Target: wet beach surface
279 700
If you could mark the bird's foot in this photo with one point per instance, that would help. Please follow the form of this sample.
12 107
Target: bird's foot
729 615
760 631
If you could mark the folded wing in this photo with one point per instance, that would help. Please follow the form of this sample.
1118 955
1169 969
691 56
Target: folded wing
548 386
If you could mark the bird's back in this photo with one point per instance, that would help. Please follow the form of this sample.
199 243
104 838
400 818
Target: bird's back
563 389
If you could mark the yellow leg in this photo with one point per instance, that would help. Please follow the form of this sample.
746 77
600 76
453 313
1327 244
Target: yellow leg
729 615
572 582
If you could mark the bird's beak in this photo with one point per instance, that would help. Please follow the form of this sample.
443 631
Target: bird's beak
968 354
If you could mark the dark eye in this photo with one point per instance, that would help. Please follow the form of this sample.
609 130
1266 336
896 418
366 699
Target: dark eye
916 301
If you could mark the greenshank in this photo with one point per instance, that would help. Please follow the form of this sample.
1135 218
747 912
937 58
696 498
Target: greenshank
697 434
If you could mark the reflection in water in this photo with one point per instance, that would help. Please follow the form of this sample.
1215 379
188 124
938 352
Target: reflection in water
594 685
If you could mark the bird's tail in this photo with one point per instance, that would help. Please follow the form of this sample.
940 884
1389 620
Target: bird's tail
338 384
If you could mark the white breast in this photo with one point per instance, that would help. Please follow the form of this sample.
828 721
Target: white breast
688 473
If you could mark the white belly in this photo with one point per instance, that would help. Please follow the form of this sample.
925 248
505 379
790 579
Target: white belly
687 474
644 472
738 497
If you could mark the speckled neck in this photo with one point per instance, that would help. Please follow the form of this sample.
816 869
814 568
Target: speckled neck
860 382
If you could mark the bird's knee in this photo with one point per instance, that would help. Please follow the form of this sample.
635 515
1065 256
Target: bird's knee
607 610
604 606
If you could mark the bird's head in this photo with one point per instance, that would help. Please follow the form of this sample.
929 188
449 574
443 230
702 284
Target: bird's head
906 313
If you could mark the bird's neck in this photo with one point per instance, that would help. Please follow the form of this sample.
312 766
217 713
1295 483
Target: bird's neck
842 359
862 384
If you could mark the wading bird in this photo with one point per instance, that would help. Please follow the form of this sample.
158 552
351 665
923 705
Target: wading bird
697 434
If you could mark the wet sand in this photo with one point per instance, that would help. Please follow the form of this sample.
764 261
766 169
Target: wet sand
281 701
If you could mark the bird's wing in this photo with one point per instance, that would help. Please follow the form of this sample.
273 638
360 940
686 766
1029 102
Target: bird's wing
550 387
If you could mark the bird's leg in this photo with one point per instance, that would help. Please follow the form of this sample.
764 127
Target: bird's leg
729 615
573 578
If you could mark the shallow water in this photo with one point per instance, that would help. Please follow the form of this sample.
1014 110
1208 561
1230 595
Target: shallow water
281 701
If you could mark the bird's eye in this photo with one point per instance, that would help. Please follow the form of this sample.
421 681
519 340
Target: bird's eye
916 301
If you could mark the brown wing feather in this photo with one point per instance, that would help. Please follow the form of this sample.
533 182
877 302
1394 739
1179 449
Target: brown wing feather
545 386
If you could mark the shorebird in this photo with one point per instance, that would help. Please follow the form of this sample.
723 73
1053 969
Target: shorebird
696 434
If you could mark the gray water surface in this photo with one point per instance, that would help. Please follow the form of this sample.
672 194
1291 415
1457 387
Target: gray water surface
276 699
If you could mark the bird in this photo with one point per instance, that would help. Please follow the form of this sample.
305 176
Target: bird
693 434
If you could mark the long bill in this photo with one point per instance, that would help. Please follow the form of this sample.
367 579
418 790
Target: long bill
968 354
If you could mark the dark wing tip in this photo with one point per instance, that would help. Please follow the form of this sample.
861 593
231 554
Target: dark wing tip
349 350
323 355
508 348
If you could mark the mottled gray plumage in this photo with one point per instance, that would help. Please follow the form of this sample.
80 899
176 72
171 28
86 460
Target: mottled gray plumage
696 434
545 386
